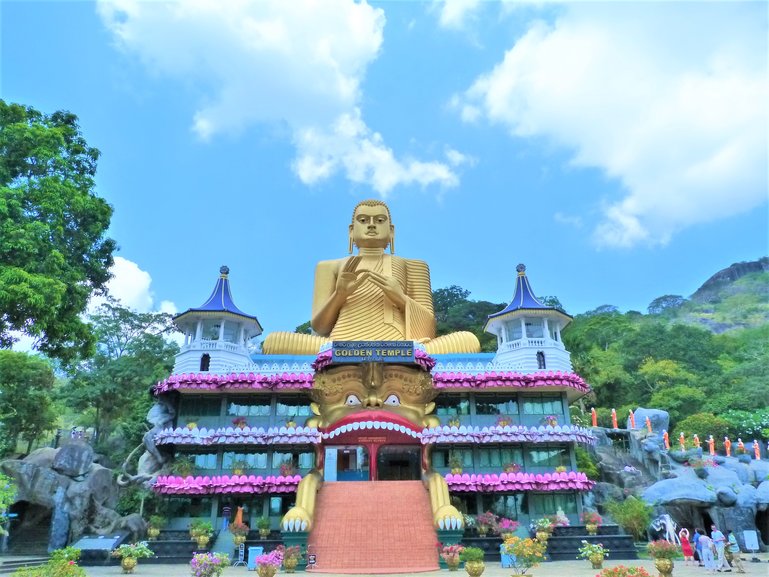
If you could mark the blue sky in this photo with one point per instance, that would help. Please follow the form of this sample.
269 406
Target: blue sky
618 150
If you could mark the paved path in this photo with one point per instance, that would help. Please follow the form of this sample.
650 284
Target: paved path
553 569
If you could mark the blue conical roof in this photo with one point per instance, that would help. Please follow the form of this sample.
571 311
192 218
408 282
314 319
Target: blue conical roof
524 298
220 300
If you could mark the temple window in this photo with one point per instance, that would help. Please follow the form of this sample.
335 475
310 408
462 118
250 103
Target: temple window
508 506
499 457
548 504
292 406
541 360
204 460
199 406
188 507
547 457
440 458
205 362
553 328
513 329
534 329
252 460
452 405
542 405
500 404
211 330
248 406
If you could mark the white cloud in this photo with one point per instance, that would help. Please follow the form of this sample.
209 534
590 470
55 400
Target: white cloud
454 13
669 99
132 288
301 63
569 219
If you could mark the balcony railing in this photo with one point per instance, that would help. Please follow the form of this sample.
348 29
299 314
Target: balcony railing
208 345
531 343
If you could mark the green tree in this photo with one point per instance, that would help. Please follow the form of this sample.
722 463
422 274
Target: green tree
679 401
703 425
632 514
26 382
446 298
53 250
132 355
666 304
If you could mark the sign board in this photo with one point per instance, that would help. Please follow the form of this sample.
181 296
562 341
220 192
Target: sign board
372 352
241 553
751 540
98 542
312 559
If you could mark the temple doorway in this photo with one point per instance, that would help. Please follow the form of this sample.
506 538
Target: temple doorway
762 524
398 463
346 463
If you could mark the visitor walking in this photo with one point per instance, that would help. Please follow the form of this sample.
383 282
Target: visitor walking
697 547
720 542
706 552
733 550
686 547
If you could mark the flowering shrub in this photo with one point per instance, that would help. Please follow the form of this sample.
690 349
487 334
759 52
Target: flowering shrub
559 519
550 420
662 549
487 522
543 524
274 558
507 525
287 468
512 468
622 571
208 564
527 553
138 550
239 529
294 552
450 553
504 421
63 563
591 518
239 422
589 550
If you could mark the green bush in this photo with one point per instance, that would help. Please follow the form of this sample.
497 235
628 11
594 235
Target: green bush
471 554
704 425
632 514
587 464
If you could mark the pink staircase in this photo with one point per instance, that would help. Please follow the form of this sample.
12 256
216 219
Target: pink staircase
373 527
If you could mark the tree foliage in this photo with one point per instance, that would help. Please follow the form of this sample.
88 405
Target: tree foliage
633 515
26 384
132 355
53 250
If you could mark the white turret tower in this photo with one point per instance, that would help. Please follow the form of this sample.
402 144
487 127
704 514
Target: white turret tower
216 334
529 332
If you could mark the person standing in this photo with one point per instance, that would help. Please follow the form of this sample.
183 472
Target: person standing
686 547
720 542
697 546
706 552
734 550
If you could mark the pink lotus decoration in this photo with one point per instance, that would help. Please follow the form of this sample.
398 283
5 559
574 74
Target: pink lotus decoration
508 434
237 436
508 379
490 483
207 381
174 485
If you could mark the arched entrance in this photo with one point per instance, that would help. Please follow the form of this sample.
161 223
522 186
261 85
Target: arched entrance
398 463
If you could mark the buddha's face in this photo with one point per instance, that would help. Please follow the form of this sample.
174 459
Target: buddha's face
371 227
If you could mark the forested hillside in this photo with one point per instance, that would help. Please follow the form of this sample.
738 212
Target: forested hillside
704 359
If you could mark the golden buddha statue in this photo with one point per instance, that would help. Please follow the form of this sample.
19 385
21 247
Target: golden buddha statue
372 295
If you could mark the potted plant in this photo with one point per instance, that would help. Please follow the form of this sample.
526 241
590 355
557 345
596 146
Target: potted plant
622 571
450 555
593 552
129 555
592 521
512 468
543 527
182 466
203 534
506 527
473 558
455 463
239 467
287 468
291 556
550 421
504 421
267 565
291 422
560 469
239 422
663 552
208 564
263 524
156 523
486 522
527 553
239 533
454 422
192 425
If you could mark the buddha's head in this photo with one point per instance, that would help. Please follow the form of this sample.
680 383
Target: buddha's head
371 226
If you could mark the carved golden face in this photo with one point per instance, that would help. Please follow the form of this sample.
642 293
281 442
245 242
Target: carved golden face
371 227
373 394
